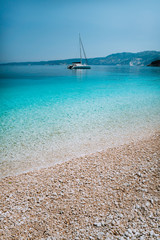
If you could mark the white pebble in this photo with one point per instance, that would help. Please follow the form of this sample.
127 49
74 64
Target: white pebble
151 233
97 224
100 235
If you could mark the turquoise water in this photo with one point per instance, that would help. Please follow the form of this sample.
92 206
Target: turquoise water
49 114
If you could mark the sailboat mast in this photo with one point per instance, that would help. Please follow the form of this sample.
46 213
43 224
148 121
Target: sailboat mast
83 50
80 48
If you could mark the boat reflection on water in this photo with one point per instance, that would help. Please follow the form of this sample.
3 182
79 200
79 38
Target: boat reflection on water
81 74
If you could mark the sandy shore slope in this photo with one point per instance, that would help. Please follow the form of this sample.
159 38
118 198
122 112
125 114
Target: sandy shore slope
107 195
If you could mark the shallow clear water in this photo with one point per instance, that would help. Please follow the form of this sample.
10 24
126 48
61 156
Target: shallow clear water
49 114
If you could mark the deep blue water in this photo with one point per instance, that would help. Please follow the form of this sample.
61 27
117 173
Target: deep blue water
49 114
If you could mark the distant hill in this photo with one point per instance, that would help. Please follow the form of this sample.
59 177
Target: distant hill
125 58
154 64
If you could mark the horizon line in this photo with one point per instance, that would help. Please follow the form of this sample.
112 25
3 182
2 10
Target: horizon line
34 61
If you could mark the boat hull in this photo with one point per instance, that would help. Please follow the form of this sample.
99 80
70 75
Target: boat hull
78 65
81 67
70 67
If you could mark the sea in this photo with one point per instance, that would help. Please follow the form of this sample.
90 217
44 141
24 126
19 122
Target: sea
49 114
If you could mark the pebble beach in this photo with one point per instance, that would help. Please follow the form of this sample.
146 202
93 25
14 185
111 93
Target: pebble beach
79 120
112 194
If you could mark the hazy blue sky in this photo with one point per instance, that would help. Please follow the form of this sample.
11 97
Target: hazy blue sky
33 30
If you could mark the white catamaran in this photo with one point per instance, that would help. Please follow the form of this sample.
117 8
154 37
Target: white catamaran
80 65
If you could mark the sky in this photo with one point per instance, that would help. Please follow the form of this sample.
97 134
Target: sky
35 30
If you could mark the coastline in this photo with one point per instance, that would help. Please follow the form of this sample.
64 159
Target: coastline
111 194
44 155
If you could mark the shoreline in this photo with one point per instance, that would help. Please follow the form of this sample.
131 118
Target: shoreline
45 157
110 194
